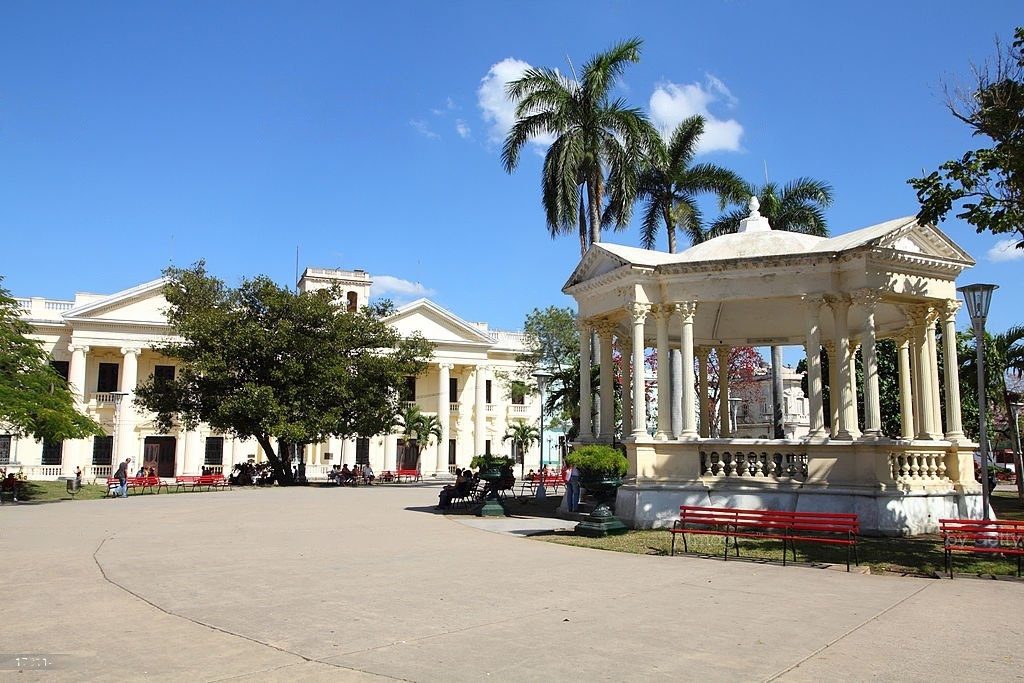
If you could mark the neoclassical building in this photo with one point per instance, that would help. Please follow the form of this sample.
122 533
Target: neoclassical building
105 345
763 287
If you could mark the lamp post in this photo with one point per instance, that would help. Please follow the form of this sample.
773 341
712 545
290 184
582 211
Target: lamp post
1018 460
978 298
542 377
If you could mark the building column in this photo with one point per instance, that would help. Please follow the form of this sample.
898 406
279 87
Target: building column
676 378
480 411
702 353
444 417
924 416
833 388
933 374
867 300
639 313
954 427
854 411
846 397
605 331
906 395
722 352
626 353
812 305
390 451
76 371
688 423
662 313
586 391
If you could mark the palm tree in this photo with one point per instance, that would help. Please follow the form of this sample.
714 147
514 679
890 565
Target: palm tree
669 185
800 207
419 430
523 436
594 136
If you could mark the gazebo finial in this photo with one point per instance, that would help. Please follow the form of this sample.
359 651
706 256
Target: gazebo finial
755 222
754 205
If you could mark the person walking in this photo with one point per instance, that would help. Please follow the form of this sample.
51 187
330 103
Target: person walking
122 478
572 489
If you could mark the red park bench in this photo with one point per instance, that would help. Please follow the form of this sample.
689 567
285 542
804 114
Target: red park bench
1001 537
139 484
838 528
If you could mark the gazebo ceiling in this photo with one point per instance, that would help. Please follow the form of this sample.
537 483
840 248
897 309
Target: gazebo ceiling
750 286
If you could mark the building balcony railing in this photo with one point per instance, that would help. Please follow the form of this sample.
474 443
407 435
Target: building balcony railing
518 410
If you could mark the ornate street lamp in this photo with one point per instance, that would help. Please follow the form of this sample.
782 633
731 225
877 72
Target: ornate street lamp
1016 407
542 377
978 298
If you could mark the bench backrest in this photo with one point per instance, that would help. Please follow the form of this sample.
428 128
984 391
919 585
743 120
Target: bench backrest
841 522
981 528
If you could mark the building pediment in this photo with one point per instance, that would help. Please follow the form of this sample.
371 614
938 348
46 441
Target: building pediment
144 304
436 324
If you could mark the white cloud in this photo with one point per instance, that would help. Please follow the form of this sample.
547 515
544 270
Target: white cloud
498 110
1005 250
462 129
397 288
423 129
671 103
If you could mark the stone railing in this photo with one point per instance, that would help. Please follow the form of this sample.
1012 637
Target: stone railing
453 407
916 467
36 472
750 464
518 410
93 472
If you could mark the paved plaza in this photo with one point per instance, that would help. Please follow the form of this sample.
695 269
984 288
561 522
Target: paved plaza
370 584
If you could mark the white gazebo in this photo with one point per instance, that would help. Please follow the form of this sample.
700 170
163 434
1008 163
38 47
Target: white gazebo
762 287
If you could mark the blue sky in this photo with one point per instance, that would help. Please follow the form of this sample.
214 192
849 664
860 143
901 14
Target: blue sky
367 135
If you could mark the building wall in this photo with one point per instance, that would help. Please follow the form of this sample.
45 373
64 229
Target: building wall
124 329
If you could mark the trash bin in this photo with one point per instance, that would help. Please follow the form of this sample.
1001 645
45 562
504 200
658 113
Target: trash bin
72 485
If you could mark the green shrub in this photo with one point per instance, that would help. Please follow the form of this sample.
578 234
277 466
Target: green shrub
598 459
486 461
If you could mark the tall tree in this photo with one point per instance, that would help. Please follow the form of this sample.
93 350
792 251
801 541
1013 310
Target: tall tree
552 340
420 429
988 183
522 435
266 363
34 399
799 207
595 136
669 184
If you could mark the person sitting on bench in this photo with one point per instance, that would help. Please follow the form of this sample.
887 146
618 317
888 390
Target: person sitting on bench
461 486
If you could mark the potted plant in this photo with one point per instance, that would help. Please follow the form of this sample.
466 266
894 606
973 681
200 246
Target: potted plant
601 471
600 466
490 466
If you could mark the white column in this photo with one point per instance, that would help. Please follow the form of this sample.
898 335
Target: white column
812 305
847 395
722 353
605 330
586 392
76 371
954 427
906 394
626 351
480 411
933 373
130 374
702 353
923 383
867 300
662 313
833 388
444 417
854 410
688 422
390 451
639 312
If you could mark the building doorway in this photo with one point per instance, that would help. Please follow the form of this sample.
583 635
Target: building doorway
159 453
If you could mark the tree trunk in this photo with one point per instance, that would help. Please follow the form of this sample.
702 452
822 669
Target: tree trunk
282 474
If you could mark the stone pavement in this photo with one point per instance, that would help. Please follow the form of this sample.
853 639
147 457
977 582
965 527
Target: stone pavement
370 584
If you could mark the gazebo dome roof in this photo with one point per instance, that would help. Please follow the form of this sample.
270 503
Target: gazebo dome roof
751 245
